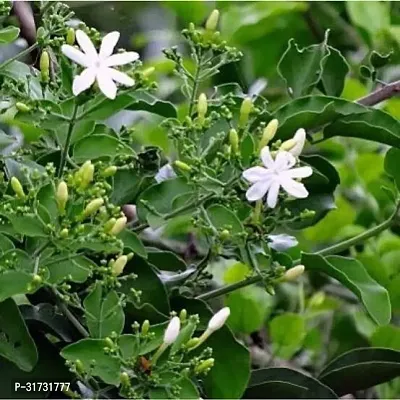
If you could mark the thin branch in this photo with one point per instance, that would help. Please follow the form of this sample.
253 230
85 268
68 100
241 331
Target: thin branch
386 92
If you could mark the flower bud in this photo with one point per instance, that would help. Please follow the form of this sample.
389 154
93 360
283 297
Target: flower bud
17 187
64 233
183 166
70 36
268 133
109 224
234 141
219 319
79 367
288 145
124 378
172 331
45 66
22 107
317 299
300 138
62 196
86 173
204 366
119 225
148 71
183 315
192 342
37 279
145 327
93 207
225 234
202 107
130 256
119 265
245 110
212 21
293 273
110 171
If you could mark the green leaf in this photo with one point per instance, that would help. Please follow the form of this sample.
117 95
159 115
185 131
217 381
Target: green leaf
28 225
76 269
126 186
88 351
188 389
166 260
16 343
392 165
5 244
184 335
14 282
287 332
386 336
352 274
360 369
99 146
222 218
47 198
9 34
132 243
104 313
285 383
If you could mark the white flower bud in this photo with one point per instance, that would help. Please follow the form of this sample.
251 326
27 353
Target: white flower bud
293 273
300 139
219 319
172 331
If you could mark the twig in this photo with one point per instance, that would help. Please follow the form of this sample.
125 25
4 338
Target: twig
388 91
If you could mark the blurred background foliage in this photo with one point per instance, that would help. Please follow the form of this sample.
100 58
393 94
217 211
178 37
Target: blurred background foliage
305 325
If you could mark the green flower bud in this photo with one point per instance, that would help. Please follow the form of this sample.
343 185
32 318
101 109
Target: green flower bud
86 173
79 367
225 234
288 145
204 366
45 66
183 315
268 133
109 342
119 265
193 342
317 299
212 21
110 171
64 233
70 36
183 166
62 196
22 107
109 224
202 107
130 256
125 380
148 71
145 327
245 110
37 279
93 207
17 187
293 273
119 225
234 141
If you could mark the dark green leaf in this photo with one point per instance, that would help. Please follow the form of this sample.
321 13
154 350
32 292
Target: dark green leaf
132 243
76 269
16 344
360 369
222 218
9 34
392 165
352 274
5 243
166 260
47 198
14 282
188 389
28 225
126 186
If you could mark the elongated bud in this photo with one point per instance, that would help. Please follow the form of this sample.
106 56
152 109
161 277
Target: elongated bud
110 171
45 66
293 273
148 71
212 21
62 196
109 224
70 36
183 166
300 138
202 107
183 315
119 225
268 133
172 331
245 110
22 107
130 256
145 327
204 366
288 145
119 265
17 187
93 207
64 233
193 342
219 319
234 141
86 174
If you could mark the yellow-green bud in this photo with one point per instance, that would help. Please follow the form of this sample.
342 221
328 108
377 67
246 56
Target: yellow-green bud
45 66
119 225
86 173
268 133
148 71
288 145
109 224
234 141
225 234
212 21
71 36
145 327
204 366
317 299
93 207
130 256
183 166
293 273
119 265
64 233
62 196
183 315
124 377
79 367
110 171
22 107
192 342
37 279
17 187
202 107
109 342
245 110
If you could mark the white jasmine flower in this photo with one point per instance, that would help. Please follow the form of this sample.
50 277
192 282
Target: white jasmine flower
164 173
98 65
276 174
300 138
282 242
218 320
172 331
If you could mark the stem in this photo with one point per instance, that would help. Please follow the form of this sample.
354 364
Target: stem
67 141
195 86
21 54
388 91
